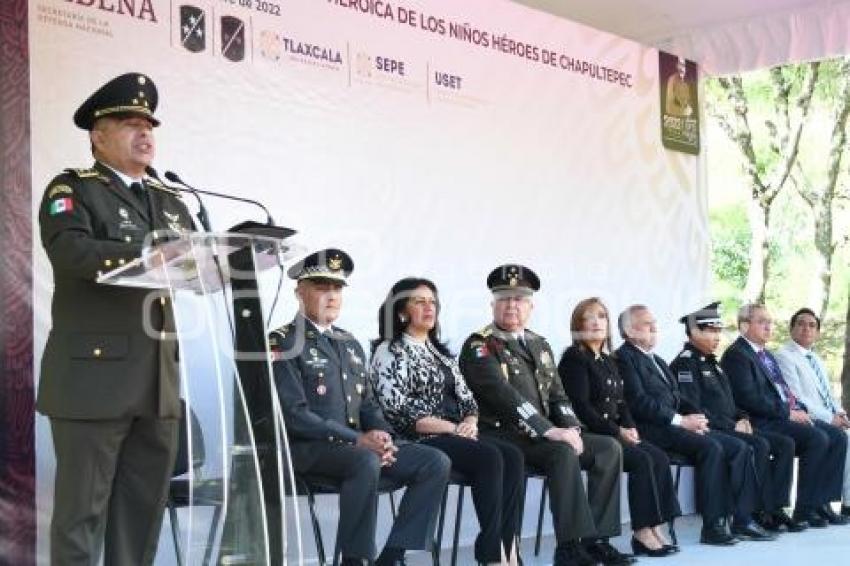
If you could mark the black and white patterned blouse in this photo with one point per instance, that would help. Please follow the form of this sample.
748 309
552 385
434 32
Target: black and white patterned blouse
409 381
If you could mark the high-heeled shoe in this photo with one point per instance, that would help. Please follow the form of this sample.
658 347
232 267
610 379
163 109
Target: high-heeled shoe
640 549
671 548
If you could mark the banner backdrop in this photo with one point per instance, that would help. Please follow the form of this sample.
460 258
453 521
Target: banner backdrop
432 138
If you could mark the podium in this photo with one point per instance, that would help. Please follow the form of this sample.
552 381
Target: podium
212 284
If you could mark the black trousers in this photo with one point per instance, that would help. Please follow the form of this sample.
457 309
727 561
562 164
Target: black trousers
822 449
773 458
496 471
577 513
725 478
652 497
423 470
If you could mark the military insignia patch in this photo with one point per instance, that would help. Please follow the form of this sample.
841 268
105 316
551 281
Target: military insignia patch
685 377
60 206
193 34
173 221
321 389
232 38
481 351
545 358
60 190
122 212
360 389
335 263
314 352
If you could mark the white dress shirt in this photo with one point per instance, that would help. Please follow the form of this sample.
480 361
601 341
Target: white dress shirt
804 382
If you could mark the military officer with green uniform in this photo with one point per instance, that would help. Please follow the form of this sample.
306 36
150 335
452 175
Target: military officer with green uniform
108 382
335 427
512 372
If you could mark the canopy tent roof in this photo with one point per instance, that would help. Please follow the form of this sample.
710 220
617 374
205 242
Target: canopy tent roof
724 36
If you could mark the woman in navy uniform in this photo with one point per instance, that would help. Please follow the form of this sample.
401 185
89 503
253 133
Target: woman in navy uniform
336 429
594 385
424 396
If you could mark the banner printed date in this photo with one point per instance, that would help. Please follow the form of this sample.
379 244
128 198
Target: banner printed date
270 8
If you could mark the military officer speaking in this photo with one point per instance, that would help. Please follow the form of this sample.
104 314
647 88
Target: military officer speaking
521 399
705 386
109 383
336 429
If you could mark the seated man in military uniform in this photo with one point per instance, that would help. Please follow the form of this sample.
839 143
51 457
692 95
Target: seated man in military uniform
336 429
512 373
705 386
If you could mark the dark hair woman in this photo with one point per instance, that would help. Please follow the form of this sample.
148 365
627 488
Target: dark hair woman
424 396
591 380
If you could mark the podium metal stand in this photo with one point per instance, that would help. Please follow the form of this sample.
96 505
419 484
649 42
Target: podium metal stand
213 283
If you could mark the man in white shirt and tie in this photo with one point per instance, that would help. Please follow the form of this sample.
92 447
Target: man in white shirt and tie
808 378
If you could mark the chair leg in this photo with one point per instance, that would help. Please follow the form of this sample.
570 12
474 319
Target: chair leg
317 531
392 505
175 533
539 533
441 523
671 526
458 515
211 536
522 507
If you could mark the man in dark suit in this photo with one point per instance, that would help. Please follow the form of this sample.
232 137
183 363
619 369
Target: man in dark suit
705 385
760 389
512 373
724 479
336 429
108 382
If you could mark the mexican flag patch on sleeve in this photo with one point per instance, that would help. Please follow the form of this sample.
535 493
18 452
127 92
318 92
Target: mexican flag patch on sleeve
61 205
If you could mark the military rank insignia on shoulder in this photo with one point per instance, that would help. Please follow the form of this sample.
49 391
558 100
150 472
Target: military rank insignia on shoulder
685 377
89 173
154 184
685 353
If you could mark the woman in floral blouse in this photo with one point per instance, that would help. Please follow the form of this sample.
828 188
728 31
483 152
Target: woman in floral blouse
424 396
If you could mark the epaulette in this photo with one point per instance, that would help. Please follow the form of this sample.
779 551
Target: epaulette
282 331
685 353
89 173
154 184
343 334
486 331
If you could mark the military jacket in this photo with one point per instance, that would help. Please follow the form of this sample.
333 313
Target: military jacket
101 361
704 384
517 387
323 384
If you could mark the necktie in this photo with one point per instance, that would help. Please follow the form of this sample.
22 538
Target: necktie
823 386
777 379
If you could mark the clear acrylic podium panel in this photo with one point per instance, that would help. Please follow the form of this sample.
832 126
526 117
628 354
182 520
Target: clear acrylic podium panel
196 274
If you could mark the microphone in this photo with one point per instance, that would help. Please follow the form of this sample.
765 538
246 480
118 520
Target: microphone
202 215
174 178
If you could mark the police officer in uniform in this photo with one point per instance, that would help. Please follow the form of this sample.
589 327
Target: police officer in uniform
512 373
705 386
109 383
337 430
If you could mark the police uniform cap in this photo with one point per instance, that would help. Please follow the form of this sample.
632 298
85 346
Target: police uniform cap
131 94
513 278
707 316
331 264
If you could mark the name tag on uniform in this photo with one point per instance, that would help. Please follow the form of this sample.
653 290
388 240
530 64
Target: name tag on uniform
685 377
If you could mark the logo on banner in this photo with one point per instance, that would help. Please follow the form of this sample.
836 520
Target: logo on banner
193 34
232 38
363 64
270 45
679 104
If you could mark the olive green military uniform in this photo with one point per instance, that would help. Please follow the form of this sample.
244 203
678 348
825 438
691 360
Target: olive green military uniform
520 397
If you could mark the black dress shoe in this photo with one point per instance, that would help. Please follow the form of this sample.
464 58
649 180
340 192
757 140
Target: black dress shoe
671 548
811 517
572 553
831 516
717 534
640 549
602 551
751 531
781 519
